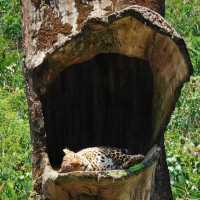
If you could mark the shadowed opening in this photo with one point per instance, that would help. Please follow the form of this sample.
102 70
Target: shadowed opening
106 101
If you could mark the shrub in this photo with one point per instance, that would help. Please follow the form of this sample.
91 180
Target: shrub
15 167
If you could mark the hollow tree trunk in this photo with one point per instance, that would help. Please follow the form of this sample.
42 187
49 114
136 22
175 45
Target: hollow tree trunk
100 73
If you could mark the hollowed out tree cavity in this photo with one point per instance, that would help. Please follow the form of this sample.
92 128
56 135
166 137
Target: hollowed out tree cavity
104 101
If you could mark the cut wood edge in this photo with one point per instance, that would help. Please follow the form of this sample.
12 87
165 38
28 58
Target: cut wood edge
116 182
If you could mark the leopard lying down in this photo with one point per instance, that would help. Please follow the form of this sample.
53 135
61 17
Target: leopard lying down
97 159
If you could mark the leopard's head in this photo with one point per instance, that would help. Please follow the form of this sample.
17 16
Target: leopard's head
72 162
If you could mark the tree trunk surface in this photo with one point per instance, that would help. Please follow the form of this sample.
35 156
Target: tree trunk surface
101 73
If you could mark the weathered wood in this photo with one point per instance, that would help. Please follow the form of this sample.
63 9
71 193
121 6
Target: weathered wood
100 73
135 183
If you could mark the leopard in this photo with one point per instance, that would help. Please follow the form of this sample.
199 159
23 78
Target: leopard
98 159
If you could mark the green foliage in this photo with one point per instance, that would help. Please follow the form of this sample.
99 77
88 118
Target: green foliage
10 65
182 138
10 19
184 16
15 167
183 143
10 40
186 117
184 166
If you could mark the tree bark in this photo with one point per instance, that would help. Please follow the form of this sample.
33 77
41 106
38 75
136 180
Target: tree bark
100 73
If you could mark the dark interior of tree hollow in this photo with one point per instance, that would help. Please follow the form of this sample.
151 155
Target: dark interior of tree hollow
104 101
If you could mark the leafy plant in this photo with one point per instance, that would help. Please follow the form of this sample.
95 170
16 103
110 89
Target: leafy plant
10 42
15 167
184 16
183 143
10 19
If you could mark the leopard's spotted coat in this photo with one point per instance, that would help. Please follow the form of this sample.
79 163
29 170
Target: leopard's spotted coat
98 159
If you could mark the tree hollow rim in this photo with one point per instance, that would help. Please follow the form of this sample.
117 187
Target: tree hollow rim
150 160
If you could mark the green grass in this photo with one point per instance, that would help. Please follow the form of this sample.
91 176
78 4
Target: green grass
183 143
184 16
182 138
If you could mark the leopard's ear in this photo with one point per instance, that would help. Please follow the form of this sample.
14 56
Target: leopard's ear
66 151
